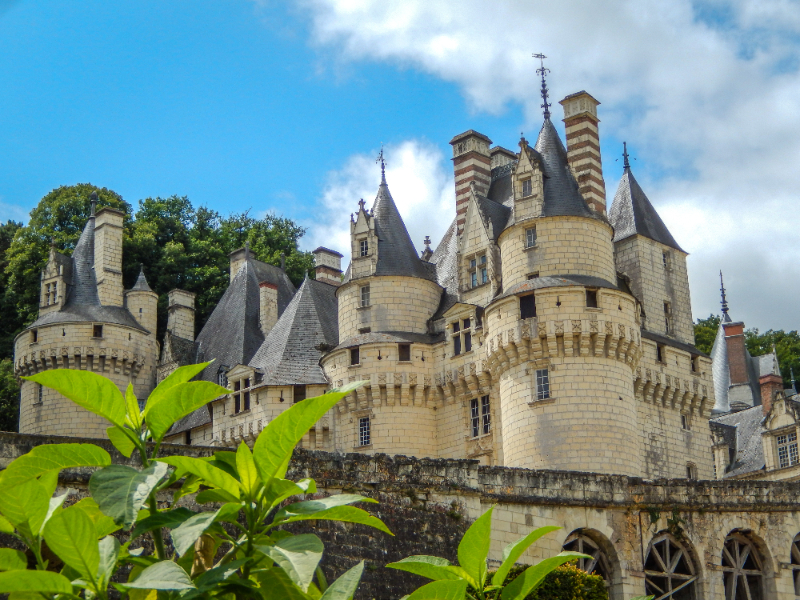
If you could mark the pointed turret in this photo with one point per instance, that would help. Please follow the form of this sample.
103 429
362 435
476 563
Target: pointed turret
632 213
141 284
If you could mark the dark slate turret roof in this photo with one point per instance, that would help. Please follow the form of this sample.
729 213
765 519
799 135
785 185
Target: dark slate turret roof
141 284
308 328
561 194
396 252
494 213
232 335
632 213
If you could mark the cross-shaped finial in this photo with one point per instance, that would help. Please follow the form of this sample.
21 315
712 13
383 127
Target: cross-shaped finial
427 241
382 160
361 204
543 71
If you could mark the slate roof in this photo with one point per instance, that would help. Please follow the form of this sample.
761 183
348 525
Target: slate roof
749 449
720 372
232 334
390 337
308 328
538 283
141 284
561 194
445 259
494 213
198 418
668 341
632 213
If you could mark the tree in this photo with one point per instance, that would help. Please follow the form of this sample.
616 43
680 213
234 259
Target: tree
705 332
10 323
9 397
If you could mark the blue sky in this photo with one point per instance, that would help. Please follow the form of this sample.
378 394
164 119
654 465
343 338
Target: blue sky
282 106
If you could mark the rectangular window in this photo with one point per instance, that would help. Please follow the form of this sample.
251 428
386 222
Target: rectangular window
467 342
456 327
591 298
530 237
404 352
787 450
660 353
55 292
364 330
35 336
364 247
364 437
39 393
667 311
486 417
298 393
695 364
97 331
533 275
237 403
473 279
542 384
188 439
142 403
456 345
665 259
527 188
691 471
483 259
472 264
47 294
527 306
685 422
237 386
354 358
364 295
484 275
222 379
475 417
246 401
466 323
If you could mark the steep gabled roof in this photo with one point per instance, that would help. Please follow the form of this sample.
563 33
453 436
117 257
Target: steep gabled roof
631 214
307 329
561 194
83 290
494 213
396 252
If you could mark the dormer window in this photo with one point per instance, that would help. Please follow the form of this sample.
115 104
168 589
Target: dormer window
222 378
478 271
787 450
363 247
527 188
462 336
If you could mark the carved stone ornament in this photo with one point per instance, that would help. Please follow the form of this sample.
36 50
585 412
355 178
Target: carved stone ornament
593 325
559 327
576 325
542 329
412 379
609 328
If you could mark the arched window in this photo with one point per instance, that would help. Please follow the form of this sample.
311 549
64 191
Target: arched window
741 569
669 570
598 564
796 564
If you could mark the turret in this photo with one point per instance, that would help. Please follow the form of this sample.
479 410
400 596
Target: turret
142 302
180 315
108 255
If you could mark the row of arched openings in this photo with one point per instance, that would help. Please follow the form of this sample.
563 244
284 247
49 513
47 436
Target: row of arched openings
671 570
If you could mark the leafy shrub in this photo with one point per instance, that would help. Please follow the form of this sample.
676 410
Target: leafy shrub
566 582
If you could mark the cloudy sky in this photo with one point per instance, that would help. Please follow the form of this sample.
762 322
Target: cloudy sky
277 106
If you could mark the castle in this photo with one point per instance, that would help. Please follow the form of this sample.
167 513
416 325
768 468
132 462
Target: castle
544 332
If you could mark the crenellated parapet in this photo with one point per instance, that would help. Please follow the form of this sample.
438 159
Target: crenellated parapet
100 359
671 391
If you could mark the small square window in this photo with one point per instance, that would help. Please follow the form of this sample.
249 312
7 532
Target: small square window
364 433
354 357
483 259
591 298
527 306
364 247
542 384
97 331
364 295
466 323
530 237
527 188
404 352
298 393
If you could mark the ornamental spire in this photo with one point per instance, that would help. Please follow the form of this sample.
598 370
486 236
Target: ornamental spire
725 317
626 165
381 160
543 71
93 198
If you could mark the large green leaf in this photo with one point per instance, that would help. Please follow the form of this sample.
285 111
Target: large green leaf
52 458
248 475
121 491
177 377
72 536
298 556
34 581
344 588
281 489
169 519
440 590
275 444
164 575
431 567
109 553
474 547
309 507
275 583
512 552
102 523
54 507
211 578
133 416
120 440
185 535
12 560
532 577
211 475
27 503
93 392
5 525
345 514
178 401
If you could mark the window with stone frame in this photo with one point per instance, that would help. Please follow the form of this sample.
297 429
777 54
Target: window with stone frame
478 272
404 352
685 423
661 353
97 331
787 449
364 431
530 237
355 357
480 416
364 295
691 471
363 247
666 260
542 384
298 393
222 376
527 188
667 318
39 393
462 336
591 299
527 306
34 336
669 570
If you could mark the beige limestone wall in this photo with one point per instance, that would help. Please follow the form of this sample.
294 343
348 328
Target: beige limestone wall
108 256
396 304
123 355
564 246
144 308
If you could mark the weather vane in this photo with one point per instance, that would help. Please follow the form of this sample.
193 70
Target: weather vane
542 70
382 160
725 317
625 164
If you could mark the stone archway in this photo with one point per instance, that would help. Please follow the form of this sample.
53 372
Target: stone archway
670 572
742 569
579 541
795 562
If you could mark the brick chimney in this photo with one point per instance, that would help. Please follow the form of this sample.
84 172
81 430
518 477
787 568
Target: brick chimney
770 384
737 358
328 266
180 314
471 162
268 306
583 147
108 255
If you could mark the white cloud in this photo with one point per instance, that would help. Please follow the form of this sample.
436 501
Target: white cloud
706 91
423 191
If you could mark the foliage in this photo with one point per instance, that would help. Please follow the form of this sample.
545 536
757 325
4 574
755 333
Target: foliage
9 397
452 582
234 549
566 582
786 344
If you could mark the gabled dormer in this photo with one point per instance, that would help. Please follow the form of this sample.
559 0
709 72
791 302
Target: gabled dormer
363 243
479 256
528 183
56 275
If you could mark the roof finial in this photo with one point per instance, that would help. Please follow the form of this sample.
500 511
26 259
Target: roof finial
543 71
725 317
93 198
381 160
361 204
791 372
626 165
141 268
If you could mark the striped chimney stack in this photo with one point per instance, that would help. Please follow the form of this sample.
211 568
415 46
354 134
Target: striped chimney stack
583 147
471 162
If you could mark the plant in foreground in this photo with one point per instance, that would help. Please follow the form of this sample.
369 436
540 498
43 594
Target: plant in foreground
234 549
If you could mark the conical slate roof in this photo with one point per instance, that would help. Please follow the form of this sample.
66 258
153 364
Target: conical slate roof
720 372
632 213
141 284
561 194
83 291
396 252
307 328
